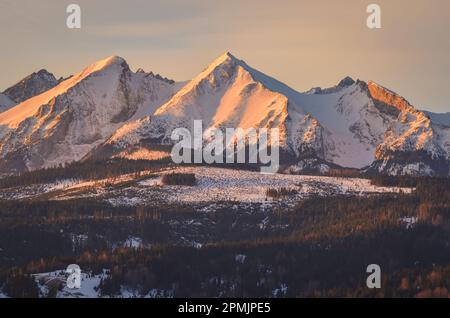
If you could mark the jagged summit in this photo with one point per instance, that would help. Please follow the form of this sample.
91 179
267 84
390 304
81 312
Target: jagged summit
110 60
14 116
228 65
346 81
44 73
224 58
388 97
228 84
101 65
32 85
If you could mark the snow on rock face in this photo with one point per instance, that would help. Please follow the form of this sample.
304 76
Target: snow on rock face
388 97
414 144
106 109
411 131
224 95
64 123
31 85
331 124
352 124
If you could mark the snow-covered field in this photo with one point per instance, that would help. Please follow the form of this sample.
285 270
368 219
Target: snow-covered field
64 186
213 185
219 184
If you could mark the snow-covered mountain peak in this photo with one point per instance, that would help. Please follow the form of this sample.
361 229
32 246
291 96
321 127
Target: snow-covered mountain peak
103 68
227 93
106 109
227 65
225 58
230 93
344 83
106 62
350 124
227 90
67 121
111 62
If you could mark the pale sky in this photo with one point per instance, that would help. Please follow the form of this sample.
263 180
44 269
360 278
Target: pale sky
303 43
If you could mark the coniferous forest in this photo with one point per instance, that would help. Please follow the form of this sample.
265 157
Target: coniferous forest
318 247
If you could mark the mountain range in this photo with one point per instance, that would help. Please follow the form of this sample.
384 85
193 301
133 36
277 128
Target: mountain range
107 110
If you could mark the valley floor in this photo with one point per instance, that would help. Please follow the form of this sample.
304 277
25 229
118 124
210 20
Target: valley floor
213 185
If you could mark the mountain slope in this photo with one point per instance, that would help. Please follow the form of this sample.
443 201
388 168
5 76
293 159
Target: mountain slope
330 125
107 111
5 102
415 144
348 125
439 118
67 121
32 85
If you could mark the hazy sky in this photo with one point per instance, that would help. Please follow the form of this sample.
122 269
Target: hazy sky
304 43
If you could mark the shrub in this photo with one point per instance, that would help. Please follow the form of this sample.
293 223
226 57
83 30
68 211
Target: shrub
19 285
344 173
187 179
280 192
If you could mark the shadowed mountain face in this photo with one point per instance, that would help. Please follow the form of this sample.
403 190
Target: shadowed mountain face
107 110
5 102
31 86
441 119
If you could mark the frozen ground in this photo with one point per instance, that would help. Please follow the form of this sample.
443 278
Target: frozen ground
218 184
213 185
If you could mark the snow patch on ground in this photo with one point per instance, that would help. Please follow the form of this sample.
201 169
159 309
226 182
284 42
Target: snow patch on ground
409 221
281 291
240 258
89 284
